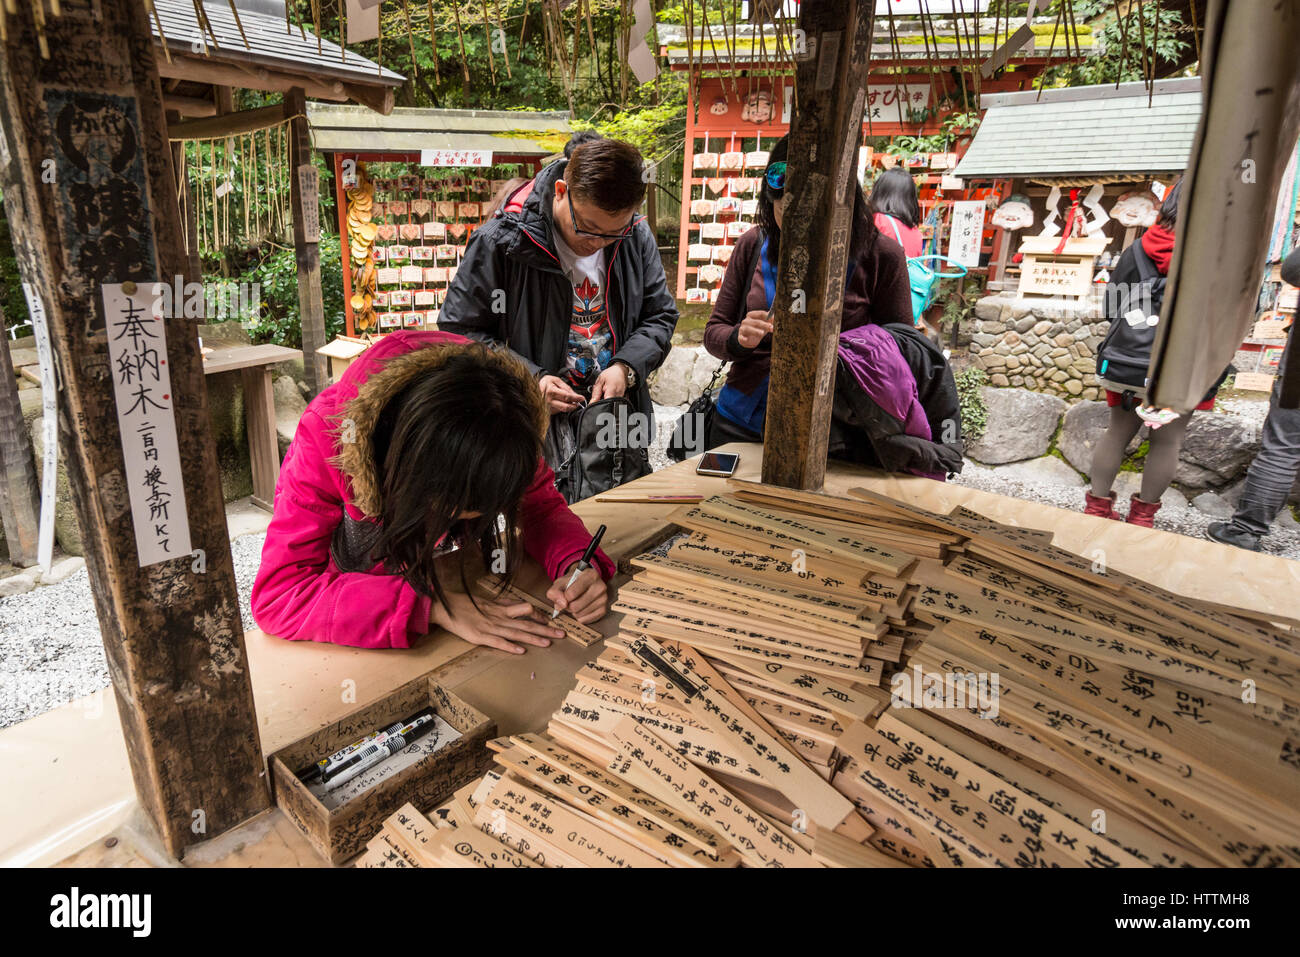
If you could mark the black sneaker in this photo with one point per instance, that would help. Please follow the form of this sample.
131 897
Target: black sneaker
1226 534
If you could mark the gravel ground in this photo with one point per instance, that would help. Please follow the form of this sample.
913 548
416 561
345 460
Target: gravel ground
51 651
1176 513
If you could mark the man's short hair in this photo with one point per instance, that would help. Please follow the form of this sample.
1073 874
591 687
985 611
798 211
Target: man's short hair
608 173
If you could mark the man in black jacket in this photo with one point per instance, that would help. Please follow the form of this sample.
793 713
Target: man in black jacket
568 276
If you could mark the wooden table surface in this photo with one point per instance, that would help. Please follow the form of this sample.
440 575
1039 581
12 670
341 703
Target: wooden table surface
71 786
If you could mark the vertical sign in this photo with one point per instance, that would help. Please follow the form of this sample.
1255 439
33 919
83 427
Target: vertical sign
49 427
967 229
309 196
137 349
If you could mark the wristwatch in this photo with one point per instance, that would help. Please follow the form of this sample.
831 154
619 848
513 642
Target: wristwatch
631 373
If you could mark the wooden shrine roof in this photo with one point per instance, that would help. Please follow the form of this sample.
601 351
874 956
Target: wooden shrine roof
1082 132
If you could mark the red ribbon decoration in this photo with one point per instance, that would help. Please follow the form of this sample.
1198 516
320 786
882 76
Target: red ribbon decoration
1069 220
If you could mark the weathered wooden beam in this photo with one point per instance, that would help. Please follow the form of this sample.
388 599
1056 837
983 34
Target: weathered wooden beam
1249 123
379 98
189 105
20 497
306 241
831 81
227 124
91 113
197 70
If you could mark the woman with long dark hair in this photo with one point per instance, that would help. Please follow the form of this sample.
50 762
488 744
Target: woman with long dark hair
891 386
896 209
424 457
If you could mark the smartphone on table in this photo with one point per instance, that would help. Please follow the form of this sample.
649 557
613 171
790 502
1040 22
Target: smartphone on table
718 463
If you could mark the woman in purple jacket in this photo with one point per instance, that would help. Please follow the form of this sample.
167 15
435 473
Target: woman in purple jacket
881 417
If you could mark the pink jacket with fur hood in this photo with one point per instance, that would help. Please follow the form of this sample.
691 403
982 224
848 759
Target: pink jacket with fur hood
299 592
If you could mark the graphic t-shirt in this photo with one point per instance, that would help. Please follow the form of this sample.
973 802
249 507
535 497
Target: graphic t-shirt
591 343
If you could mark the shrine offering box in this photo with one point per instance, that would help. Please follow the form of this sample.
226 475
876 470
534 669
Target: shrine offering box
340 832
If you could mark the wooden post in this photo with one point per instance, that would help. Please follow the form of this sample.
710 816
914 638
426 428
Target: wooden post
90 192
20 498
306 240
825 134
1250 119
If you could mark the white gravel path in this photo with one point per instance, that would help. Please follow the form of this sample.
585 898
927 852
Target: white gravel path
51 651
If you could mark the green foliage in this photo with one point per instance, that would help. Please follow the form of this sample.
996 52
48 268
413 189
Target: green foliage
959 302
958 124
974 413
11 285
280 322
1118 62
656 129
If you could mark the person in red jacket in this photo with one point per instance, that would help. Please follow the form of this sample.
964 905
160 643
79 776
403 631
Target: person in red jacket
427 451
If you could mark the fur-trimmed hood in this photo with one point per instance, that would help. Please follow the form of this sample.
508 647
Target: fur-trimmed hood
383 377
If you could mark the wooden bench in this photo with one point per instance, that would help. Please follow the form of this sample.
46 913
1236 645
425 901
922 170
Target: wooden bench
254 364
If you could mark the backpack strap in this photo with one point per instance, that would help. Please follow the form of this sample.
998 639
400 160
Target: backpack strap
1146 268
893 222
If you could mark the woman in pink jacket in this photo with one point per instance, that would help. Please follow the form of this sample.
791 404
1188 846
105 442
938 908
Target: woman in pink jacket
396 473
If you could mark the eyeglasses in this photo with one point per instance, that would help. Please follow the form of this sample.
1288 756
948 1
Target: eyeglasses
586 232
775 175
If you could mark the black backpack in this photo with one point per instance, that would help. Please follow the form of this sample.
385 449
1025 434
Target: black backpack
1133 309
591 450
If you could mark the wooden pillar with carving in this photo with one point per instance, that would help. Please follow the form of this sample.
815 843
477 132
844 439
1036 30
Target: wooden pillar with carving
89 190
826 131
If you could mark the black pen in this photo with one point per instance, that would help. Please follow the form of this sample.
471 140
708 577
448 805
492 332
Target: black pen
583 564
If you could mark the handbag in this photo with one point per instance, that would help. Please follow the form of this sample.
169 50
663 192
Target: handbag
696 420
923 280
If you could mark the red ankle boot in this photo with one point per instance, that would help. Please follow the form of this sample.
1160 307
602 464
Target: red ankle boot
1103 507
1142 513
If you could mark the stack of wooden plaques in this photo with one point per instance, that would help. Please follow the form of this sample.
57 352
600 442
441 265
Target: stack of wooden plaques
802 680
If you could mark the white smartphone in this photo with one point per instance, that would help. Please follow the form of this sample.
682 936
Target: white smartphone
718 463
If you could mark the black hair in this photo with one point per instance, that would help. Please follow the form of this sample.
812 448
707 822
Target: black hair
609 173
864 227
1168 215
894 194
577 139
463 437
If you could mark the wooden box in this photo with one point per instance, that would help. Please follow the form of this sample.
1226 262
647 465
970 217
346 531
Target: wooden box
337 834
340 354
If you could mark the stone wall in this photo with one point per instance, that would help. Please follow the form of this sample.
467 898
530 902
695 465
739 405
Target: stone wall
1046 345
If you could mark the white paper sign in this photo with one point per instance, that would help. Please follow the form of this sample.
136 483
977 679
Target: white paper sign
137 350
967 229
49 427
455 157
890 103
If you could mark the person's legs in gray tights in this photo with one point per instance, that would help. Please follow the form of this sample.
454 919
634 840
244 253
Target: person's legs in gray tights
1109 454
1162 455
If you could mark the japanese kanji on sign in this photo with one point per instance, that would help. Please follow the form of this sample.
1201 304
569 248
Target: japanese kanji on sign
137 348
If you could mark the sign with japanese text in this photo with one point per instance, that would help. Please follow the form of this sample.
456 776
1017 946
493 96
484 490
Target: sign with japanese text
890 103
309 196
137 349
967 229
455 157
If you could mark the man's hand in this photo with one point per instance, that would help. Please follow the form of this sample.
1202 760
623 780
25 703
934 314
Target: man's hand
587 599
559 397
754 328
610 383
499 623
